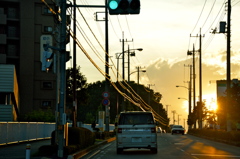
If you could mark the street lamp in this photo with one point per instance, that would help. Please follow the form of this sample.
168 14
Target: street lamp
189 97
182 98
129 54
138 70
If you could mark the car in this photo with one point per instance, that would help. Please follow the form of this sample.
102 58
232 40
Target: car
136 129
177 129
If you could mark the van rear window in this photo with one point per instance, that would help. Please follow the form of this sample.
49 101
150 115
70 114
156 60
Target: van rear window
136 119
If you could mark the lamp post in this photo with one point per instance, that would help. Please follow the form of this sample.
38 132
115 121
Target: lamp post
189 98
138 70
178 118
123 68
117 57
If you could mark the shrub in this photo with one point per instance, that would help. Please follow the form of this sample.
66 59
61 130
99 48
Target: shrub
78 138
231 137
39 116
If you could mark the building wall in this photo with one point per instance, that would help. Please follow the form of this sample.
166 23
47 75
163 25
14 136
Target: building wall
34 84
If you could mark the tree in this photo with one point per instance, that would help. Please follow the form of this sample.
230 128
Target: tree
232 107
81 94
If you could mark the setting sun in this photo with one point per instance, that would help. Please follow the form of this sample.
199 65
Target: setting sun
210 100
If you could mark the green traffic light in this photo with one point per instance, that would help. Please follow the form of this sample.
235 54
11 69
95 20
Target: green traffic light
113 4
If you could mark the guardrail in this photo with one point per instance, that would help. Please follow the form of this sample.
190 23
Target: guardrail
15 132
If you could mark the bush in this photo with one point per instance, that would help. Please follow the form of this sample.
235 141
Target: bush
104 135
39 116
78 138
231 137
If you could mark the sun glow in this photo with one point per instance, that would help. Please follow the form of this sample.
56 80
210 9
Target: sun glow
210 101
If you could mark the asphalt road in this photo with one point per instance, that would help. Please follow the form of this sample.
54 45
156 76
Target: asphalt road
171 147
18 151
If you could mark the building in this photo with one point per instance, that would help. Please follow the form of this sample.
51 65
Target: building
22 25
223 104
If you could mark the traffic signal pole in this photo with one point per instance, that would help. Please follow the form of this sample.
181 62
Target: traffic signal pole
107 76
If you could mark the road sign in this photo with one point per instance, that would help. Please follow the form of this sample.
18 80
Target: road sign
106 101
105 95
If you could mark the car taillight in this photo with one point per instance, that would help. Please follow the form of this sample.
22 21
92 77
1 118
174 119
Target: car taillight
153 130
119 130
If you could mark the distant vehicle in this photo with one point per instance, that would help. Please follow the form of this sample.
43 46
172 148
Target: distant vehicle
136 129
159 130
177 129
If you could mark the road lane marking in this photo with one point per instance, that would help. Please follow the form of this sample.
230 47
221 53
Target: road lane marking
95 153
179 143
215 155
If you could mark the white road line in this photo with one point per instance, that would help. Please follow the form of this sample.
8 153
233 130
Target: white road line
215 155
94 154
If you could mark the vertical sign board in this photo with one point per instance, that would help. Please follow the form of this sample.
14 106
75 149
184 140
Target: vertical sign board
101 115
221 88
45 39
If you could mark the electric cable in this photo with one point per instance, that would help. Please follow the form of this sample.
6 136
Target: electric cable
199 16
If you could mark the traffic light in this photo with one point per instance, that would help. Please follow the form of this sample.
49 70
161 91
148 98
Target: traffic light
46 59
116 7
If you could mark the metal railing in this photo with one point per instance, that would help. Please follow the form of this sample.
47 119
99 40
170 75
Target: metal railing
15 132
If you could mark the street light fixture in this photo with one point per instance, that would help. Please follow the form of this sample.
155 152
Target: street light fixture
129 54
183 87
189 98
182 98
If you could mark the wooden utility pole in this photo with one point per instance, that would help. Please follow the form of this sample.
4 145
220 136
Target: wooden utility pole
228 63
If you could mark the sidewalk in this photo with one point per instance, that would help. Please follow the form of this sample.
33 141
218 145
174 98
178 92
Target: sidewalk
18 151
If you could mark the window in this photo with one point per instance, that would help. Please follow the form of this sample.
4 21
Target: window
47 85
46 104
48 29
46 11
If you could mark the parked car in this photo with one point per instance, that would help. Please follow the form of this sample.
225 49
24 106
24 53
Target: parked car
177 129
136 129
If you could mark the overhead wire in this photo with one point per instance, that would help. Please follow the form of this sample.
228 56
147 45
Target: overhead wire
209 14
142 104
199 16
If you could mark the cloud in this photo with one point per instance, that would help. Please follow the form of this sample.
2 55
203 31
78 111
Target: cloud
165 74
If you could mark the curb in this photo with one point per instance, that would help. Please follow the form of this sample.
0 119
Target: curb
82 153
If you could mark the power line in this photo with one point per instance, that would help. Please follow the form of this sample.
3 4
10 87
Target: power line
199 16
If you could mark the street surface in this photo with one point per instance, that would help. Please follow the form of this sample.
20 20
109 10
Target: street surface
171 147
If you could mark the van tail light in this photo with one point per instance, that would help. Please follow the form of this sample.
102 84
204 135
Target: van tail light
119 130
153 130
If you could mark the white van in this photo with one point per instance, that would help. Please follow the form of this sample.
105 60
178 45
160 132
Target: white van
136 129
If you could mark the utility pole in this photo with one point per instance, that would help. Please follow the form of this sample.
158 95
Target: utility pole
189 90
107 77
62 122
200 77
193 76
178 118
123 56
228 63
228 60
174 111
149 96
167 108
74 109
